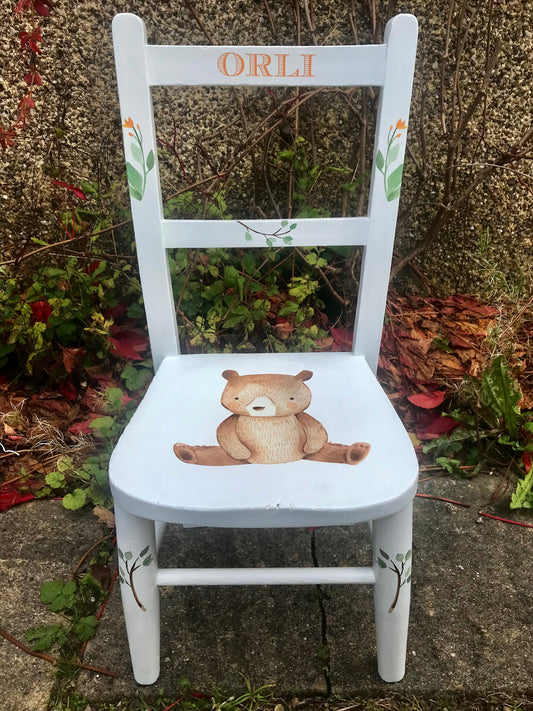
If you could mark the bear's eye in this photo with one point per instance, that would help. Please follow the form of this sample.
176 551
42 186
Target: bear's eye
291 398
236 398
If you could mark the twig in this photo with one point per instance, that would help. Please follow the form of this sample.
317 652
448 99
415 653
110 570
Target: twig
505 520
49 658
91 549
441 498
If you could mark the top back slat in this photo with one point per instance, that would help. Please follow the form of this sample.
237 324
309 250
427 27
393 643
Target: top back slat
359 65
140 66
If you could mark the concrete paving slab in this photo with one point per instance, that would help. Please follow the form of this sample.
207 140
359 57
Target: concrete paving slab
470 629
39 541
212 635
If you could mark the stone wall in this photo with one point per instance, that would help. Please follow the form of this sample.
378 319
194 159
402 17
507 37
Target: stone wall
464 195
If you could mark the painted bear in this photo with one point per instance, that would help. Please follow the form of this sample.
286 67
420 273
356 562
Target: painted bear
268 425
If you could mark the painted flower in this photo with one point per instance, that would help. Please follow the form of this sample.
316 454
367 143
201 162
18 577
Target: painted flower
128 123
400 124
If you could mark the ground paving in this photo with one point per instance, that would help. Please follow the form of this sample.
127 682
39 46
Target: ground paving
470 626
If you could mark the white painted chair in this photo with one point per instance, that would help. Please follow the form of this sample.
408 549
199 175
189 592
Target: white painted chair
149 482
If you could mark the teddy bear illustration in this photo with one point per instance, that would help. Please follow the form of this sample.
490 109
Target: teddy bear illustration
268 425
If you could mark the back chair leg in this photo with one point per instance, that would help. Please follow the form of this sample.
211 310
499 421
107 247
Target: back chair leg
392 537
140 595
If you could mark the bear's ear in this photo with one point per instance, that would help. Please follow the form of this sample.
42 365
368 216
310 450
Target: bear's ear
304 375
229 374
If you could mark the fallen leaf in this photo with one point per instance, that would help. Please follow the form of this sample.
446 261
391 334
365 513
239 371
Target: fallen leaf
427 400
104 516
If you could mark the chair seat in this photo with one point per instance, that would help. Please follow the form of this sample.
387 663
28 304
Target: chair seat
183 405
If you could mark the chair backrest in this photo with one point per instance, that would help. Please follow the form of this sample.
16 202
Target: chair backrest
141 66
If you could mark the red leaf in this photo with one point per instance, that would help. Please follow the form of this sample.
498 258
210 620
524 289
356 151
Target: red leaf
526 460
83 427
435 427
41 311
68 389
40 7
53 405
342 339
72 357
427 400
12 498
129 344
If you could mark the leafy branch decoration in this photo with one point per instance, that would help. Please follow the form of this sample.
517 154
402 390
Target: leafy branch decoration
392 181
126 569
281 233
397 566
137 178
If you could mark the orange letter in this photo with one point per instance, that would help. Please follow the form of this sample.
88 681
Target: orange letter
282 67
262 65
307 65
222 64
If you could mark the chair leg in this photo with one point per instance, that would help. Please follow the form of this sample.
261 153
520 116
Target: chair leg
140 595
392 537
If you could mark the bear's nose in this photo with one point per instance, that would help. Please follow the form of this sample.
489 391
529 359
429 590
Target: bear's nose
259 408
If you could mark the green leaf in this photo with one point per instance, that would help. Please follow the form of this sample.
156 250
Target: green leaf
50 590
287 239
284 223
270 241
144 552
76 500
85 627
150 160
395 179
385 555
247 236
523 496
380 161
408 555
293 226
393 195
136 152
399 557
393 153
45 637
128 555
56 480
102 425
148 560
136 194
501 394
382 563
64 464
135 179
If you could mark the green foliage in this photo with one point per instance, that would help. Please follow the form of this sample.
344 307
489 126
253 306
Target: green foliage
493 429
75 600
61 307
251 300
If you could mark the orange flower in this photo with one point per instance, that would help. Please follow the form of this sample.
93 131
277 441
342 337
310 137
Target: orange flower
128 123
400 125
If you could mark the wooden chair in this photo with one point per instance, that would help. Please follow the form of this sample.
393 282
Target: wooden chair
167 466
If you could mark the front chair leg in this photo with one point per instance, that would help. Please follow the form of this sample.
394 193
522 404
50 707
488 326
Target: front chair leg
391 538
137 558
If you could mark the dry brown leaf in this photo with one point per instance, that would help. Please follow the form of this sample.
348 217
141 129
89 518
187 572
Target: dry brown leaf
104 516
